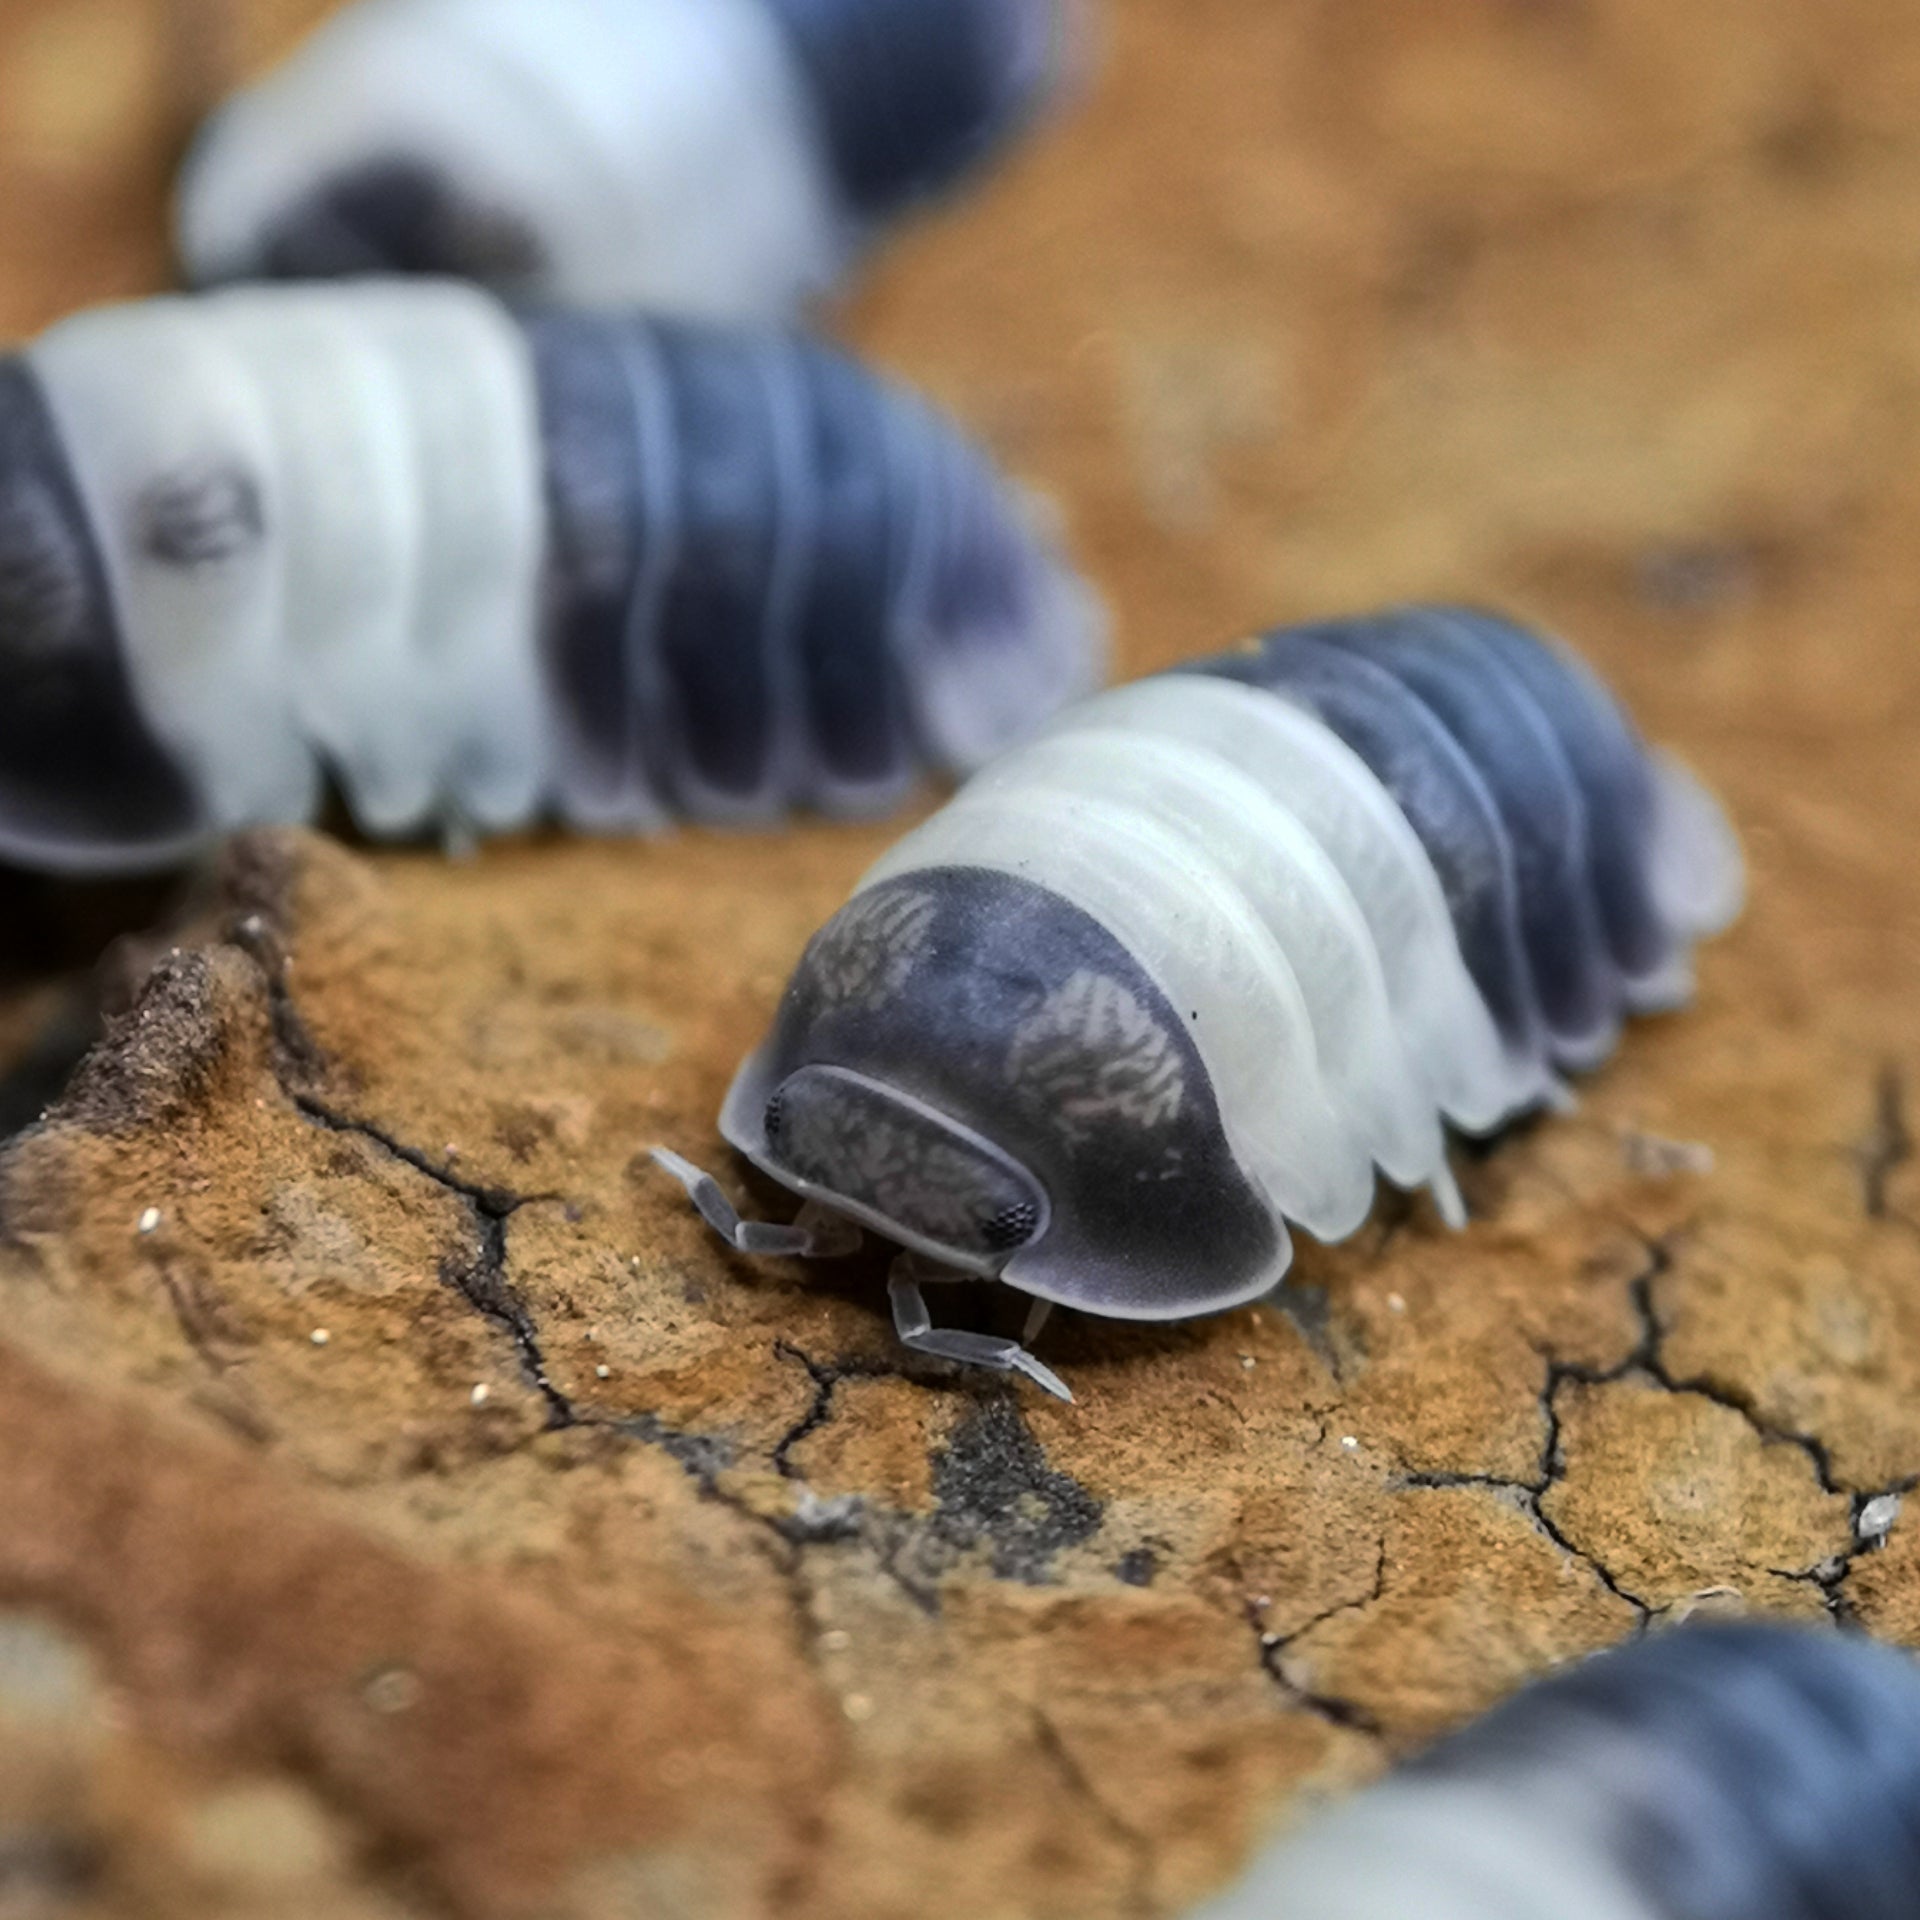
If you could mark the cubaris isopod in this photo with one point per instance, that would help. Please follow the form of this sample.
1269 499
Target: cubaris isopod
1740 1771
1196 961
725 159
481 566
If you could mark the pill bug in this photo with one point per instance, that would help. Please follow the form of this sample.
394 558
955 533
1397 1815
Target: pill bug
1194 962
1744 1771
725 159
479 566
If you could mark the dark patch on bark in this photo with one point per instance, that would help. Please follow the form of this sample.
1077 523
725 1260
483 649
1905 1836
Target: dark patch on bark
995 1488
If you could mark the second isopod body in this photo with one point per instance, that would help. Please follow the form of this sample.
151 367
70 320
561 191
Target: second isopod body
482 565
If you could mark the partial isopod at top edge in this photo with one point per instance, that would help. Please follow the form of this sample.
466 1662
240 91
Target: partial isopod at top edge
482 566
1195 962
725 159
1732 1771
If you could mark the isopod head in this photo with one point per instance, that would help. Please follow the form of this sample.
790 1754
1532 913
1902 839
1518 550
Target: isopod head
977 1070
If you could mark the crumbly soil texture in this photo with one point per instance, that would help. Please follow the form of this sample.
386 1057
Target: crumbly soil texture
408 1509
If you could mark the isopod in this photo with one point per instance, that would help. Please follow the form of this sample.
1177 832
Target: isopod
721 159
480 566
1216 945
1741 1771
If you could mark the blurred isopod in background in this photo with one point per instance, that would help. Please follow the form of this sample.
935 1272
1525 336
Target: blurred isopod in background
721 158
1729 1772
482 565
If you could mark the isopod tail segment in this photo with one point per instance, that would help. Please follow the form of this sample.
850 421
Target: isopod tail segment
1190 968
487 565
1734 1771
717 159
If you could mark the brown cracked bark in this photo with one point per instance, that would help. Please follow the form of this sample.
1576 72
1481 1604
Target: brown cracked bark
427 1492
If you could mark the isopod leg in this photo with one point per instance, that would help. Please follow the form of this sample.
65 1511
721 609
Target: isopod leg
914 1325
817 1233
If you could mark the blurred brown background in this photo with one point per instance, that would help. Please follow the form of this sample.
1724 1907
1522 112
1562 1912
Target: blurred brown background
1605 309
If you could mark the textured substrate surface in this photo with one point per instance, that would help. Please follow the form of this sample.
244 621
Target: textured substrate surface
406 1508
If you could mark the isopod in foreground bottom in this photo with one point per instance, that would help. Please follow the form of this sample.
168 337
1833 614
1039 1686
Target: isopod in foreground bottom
1195 962
1744 1771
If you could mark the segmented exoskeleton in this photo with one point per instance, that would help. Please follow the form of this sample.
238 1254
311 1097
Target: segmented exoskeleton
719 158
1219 944
1734 1772
482 566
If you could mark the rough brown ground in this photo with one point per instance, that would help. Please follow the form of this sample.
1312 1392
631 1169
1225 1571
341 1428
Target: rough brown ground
584 1571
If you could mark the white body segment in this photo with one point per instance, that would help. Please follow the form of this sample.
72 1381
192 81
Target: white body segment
1437 1852
322 519
658 152
1337 803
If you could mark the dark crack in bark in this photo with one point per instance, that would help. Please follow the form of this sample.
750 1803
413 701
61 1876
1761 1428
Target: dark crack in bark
1649 1360
479 1278
1137 1845
1275 1647
1887 1144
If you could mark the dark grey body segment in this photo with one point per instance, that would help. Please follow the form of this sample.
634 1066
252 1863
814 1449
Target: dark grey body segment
1428 773
912 94
765 567
1528 788
1513 747
849 678
944 984
396 215
713 640
83 780
1740 1772
598 531
1609 762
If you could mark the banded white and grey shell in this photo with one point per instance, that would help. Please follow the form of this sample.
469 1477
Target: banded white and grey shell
1194 963
1728 1772
482 566
723 159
